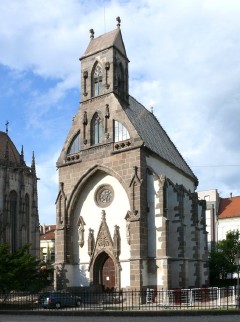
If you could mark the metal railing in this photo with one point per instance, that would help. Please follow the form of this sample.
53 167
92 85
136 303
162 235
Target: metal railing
149 299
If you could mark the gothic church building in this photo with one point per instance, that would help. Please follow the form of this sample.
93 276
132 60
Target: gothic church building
19 221
128 216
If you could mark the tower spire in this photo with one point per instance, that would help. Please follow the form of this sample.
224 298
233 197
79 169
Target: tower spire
33 166
22 156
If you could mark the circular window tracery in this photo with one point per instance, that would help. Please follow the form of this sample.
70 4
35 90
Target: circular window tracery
104 195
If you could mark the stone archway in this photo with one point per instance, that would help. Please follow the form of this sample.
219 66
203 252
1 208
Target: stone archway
104 271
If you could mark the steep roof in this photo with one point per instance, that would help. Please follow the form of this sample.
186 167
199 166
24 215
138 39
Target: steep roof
6 142
49 233
107 40
229 207
154 136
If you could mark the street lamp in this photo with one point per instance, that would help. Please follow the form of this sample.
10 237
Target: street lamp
237 263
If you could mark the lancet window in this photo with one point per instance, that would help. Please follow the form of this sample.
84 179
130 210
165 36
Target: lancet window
120 132
75 144
97 129
97 81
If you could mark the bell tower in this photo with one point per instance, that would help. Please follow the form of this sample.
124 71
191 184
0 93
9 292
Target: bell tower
104 66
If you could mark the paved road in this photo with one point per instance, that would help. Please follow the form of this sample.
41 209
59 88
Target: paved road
50 318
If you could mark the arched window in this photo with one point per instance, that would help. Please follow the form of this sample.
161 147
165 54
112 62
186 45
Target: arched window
97 81
97 129
74 146
27 217
13 219
120 132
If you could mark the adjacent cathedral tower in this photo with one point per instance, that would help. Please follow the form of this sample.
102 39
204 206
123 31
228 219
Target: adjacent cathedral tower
19 222
128 215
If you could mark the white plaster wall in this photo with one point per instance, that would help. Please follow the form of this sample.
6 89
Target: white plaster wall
225 225
189 229
91 213
161 168
208 195
162 271
192 274
175 268
151 200
173 226
125 274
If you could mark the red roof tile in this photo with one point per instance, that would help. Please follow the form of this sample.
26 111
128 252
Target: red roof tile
49 232
229 207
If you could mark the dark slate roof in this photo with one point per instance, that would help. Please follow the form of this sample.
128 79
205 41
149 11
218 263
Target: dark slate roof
14 156
154 136
107 40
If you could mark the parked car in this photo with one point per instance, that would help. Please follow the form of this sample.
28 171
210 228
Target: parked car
59 299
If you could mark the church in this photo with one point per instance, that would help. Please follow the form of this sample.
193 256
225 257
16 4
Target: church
128 215
19 221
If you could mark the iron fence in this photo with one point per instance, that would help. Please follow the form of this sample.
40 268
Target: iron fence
148 299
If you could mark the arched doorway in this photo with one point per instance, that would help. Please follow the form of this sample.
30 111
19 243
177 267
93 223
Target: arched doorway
104 272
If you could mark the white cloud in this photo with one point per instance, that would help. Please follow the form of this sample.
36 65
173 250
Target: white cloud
184 62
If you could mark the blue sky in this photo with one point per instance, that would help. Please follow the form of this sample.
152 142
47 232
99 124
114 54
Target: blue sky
184 62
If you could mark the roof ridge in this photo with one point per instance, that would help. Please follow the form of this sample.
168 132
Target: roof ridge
166 137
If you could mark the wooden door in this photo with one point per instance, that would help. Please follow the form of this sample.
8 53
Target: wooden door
108 274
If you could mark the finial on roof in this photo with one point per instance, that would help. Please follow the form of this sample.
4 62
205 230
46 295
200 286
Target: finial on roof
91 33
119 22
7 127
33 165
152 110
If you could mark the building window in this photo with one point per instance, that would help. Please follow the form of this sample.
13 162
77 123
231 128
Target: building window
75 145
120 132
97 129
97 81
26 218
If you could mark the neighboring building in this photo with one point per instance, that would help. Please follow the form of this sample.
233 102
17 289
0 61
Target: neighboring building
228 215
128 215
47 243
19 222
222 215
212 201
47 249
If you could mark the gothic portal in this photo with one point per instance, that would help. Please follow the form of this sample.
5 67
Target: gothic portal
128 215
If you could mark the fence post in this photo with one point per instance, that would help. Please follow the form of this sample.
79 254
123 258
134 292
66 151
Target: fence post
218 297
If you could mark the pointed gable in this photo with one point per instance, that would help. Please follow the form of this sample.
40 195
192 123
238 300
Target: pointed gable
105 41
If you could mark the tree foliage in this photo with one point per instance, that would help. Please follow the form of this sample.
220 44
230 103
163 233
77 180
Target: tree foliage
20 271
222 257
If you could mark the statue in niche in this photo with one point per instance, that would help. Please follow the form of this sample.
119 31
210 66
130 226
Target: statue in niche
116 241
81 224
91 241
128 235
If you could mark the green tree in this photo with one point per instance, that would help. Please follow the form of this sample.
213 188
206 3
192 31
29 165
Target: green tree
20 271
222 257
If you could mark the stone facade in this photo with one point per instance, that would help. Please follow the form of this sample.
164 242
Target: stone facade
19 222
127 212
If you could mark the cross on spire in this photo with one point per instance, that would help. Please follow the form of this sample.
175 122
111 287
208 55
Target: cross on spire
7 127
